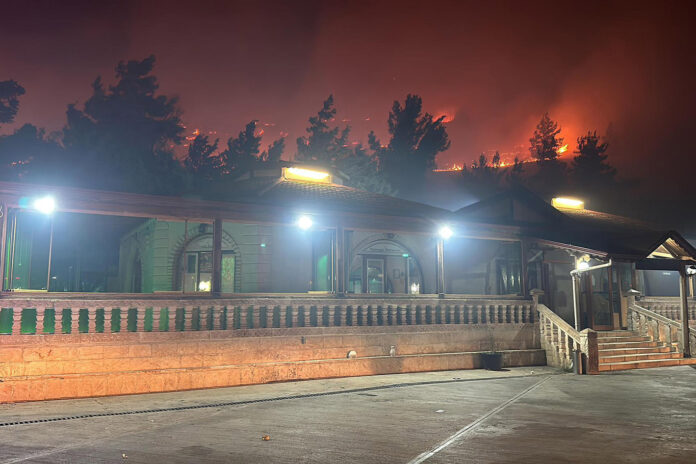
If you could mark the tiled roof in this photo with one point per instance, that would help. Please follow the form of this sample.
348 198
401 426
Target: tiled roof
285 192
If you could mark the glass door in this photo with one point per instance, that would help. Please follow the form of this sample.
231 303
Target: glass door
375 275
598 299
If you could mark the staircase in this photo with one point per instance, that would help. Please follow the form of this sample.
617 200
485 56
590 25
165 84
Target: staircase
621 350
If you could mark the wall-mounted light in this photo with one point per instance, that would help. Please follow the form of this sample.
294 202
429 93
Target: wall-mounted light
307 175
690 270
44 205
304 222
582 265
445 232
567 203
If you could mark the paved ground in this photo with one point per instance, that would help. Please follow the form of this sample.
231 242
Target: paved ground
519 416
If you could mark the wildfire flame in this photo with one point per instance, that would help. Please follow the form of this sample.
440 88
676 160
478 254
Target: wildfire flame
563 149
454 168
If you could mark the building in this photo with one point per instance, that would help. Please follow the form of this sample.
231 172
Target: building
182 290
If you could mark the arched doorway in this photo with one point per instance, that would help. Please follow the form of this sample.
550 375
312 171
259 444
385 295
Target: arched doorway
384 266
195 265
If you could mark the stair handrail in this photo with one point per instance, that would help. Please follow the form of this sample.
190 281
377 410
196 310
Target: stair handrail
658 327
560 339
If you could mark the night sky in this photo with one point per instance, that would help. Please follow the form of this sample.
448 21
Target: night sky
493 69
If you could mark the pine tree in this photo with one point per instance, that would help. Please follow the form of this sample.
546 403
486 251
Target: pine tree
590 165
10 91
201 159
127 130
416 139
545 142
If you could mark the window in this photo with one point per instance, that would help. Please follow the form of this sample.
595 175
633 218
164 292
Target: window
483 267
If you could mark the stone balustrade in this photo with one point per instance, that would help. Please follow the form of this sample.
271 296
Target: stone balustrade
51 316
669 307
559 339
660 328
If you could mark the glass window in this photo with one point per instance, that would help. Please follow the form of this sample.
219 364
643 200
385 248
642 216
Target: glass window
482 267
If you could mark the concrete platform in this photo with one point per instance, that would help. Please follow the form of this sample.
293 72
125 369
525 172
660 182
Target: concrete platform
522 415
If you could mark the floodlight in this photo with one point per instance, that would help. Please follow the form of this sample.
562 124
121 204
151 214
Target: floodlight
45 205
445 232
304 222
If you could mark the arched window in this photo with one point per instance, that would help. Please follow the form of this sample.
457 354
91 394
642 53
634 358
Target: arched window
384 266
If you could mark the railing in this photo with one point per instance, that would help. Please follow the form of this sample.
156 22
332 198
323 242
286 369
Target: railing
669 307
64 316
662 329
560 339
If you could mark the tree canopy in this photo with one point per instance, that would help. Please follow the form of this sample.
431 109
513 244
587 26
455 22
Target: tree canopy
127 130
545 142
416 139
590 164
10 91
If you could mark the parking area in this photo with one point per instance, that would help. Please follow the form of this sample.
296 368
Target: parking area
527 415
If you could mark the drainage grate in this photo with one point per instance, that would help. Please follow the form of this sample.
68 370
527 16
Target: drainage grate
261 400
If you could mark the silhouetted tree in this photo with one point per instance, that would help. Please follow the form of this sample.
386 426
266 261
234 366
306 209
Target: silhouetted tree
271 157
590 165
416 139
29 154
242 153
545 142
324 144
10 91
329 146
516 171
484 177
201 158
124 137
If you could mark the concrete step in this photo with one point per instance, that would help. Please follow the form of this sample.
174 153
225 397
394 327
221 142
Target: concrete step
615 345
637 357
629 338
622 366
616 333
625 351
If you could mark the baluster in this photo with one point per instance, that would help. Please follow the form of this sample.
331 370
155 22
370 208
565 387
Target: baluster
156 318
295 315
408 313
17 320
73 315
344 316
40 315
331 310
188 318
91 319
229 317
371 315
139 319
107 320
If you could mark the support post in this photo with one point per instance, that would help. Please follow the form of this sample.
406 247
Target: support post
216 287
3 243
441 268
339 265
683 294
575 281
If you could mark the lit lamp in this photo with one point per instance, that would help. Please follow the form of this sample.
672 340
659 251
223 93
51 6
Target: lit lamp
304 222
445 232
44 205
582 265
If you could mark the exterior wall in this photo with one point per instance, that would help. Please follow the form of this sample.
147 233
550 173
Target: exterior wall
82 365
